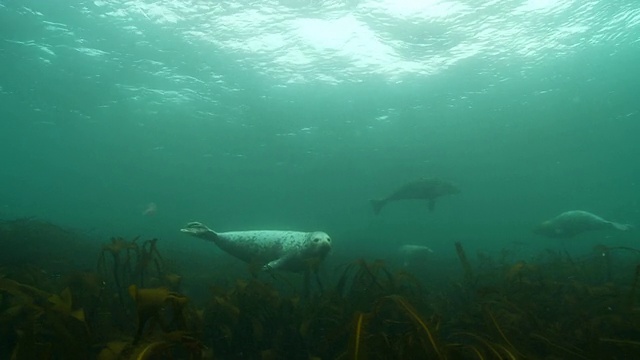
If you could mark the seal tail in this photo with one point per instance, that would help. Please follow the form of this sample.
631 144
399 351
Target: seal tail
621 227
377 205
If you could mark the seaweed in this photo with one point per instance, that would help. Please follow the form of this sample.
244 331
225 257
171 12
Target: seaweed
466 265
44 322
131 307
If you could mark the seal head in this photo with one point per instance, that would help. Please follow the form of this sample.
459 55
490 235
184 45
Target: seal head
318 244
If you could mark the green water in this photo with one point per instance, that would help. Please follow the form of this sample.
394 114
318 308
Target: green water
293 114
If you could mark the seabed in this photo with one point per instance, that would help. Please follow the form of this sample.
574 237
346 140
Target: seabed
62 298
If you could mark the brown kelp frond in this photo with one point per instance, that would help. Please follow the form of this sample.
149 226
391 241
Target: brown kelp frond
362 283
624 348
489 345
131 262
151 350
409 284
150 303
416 319
463 351
508 354
27 293
634 289
27 346
39 300
466 265
634 343
568 352
498 329
44 322
356 342
167 346
554 305
113 350
341 285
476 352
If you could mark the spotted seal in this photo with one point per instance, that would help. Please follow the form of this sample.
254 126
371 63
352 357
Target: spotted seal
291 251
571 223
423 189
413 254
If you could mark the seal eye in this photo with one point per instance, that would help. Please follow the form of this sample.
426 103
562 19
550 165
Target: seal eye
316 239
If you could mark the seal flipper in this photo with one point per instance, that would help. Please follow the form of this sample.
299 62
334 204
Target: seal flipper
621 227
377 205
200 230
277 263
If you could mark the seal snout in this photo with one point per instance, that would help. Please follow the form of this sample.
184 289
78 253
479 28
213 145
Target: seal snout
321 242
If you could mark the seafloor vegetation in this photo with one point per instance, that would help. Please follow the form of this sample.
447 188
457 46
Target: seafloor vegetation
130 304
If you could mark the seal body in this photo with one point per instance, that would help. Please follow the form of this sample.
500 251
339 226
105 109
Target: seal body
414 254
423 189
292 251
572 223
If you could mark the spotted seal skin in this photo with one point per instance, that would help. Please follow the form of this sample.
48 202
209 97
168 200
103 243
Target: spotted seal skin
282 250
423 189
572 223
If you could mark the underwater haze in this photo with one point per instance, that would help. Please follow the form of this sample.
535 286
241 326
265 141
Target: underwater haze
294 114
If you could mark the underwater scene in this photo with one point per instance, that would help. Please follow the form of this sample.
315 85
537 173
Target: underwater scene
308 179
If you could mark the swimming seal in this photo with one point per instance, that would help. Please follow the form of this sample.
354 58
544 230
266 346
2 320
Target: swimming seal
571 223
291 251
423 189
414 254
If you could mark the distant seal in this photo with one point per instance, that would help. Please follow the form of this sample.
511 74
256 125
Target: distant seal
423 189
572 223
291 251
413 254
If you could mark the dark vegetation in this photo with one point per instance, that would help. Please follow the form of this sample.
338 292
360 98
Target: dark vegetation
130 304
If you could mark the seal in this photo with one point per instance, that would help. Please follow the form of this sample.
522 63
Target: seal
291 251
413 254
423 189
572 223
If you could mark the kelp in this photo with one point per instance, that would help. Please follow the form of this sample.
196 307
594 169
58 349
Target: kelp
466 265
131 307
122 263
150 304
553 306
130 262
375 304
44 323
173 345
78 314
252 318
